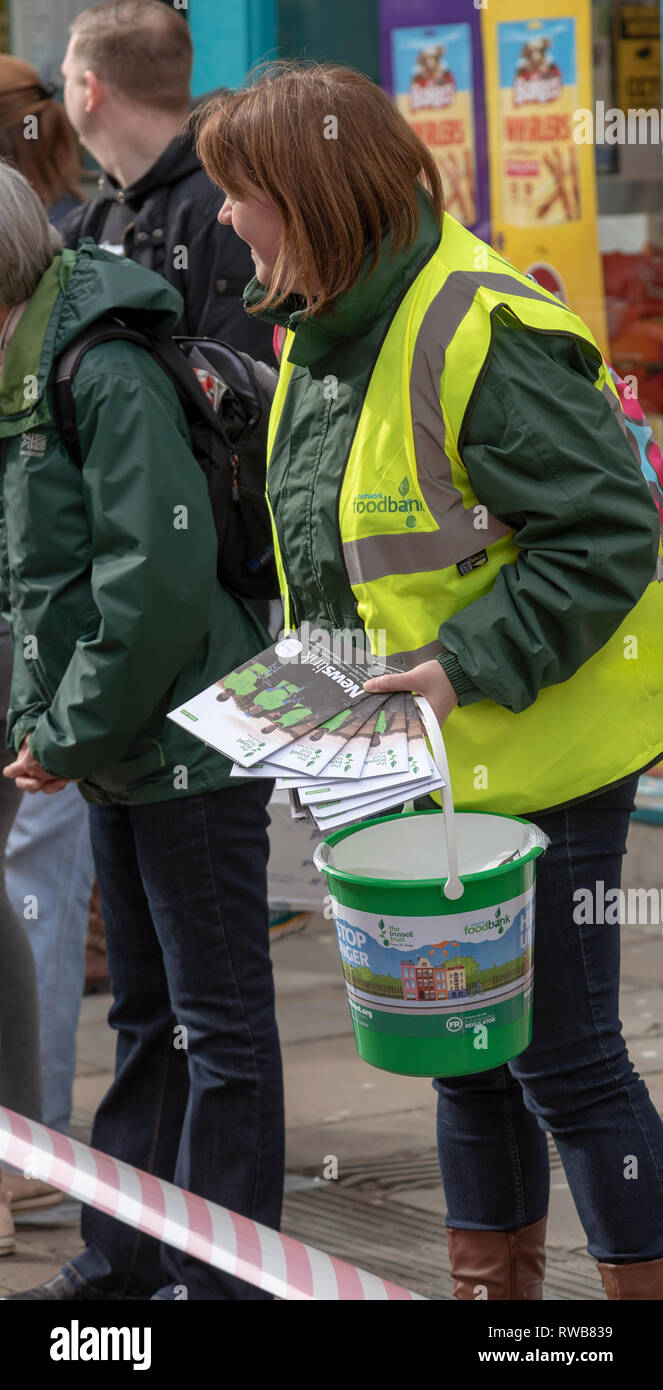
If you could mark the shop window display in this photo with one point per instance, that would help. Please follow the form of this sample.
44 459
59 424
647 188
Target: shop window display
627 77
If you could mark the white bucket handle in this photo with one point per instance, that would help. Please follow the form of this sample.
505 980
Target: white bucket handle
321 857
534 838
453 887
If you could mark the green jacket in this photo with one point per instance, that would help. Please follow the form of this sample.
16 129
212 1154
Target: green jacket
582 516
116 612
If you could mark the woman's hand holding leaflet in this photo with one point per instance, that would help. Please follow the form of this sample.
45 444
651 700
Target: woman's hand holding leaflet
426 679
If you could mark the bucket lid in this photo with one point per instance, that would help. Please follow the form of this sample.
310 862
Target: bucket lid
412 848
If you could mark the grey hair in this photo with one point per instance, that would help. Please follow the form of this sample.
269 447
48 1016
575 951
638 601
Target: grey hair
28 242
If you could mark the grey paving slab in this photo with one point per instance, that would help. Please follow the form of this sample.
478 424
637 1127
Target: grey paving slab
641 1010
313 950
89 1089
96 1047
654 1084
321 1014
424 1199
327 1082
647 1056
38 1256
68 1213
94 1009
288 981
358 1143
86 1068
564 1230
643 961
643 862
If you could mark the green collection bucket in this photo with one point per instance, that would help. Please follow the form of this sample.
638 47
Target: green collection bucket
434 915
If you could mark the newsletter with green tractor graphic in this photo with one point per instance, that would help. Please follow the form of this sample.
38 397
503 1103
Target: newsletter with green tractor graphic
299 714
276 698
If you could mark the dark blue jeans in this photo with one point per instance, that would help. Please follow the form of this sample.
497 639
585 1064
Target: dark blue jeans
574 1080
183 888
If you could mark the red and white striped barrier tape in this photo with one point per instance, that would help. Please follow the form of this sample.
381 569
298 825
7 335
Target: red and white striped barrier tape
241 1247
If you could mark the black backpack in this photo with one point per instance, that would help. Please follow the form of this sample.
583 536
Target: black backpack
226 397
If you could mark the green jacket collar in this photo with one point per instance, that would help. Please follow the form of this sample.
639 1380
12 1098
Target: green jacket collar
22 401
76 290
354 312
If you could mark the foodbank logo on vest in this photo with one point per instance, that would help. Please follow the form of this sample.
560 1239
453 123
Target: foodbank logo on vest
388 502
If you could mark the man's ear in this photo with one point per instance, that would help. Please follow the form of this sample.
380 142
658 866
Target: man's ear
96 91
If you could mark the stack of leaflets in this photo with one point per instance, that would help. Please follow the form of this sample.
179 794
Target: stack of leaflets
298 713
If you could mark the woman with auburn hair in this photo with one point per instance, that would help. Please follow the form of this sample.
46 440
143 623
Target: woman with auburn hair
418 364
49 158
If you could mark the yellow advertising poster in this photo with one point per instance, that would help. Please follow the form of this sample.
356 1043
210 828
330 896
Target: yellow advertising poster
537 59
432 70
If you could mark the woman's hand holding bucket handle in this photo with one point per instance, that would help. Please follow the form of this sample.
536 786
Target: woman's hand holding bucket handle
431 682
427 679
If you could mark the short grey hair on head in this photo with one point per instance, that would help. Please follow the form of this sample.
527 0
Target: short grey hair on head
28 242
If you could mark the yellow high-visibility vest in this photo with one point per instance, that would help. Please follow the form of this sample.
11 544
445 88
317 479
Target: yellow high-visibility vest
401 552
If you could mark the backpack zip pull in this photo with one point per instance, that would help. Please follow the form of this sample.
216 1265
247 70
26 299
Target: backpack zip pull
235 467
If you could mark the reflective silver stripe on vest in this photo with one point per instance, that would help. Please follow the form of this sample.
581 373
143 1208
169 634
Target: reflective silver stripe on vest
376 557
406 660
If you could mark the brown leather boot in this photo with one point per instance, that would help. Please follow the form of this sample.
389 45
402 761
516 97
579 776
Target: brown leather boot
643 1280
498 1265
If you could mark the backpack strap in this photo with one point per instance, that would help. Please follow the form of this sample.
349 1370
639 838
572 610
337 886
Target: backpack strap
192 397
103 330
164 351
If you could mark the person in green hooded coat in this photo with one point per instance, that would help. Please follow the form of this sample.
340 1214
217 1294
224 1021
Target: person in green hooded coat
117 617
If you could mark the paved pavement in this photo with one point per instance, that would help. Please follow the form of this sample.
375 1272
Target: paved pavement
385 1210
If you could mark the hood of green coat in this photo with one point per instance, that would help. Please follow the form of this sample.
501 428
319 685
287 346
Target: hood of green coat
78 287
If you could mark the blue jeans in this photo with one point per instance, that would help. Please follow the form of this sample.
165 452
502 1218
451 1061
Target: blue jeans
197 1097
49 859
575 1080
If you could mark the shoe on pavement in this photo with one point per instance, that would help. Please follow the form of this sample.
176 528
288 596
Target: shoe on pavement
7 1237
57 1290
27 1194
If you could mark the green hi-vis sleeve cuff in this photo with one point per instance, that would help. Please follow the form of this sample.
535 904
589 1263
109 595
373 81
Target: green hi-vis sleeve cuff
467 692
